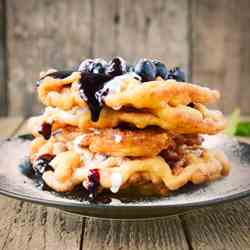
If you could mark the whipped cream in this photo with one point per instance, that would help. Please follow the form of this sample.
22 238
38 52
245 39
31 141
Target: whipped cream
115 85
116 182
118 138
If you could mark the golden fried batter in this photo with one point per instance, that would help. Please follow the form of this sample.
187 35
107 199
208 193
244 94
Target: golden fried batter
157 94
128 92
117 142
181 119
157 151
211 165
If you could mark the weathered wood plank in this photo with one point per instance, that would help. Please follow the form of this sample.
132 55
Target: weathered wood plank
57 34
223 227
3 62
220 54
23 129
9 125
154 29
153 234
104 28
35 227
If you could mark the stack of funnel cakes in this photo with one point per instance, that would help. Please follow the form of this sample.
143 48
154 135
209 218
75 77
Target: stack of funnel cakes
113 126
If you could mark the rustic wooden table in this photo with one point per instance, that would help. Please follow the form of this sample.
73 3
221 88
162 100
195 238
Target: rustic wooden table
29 226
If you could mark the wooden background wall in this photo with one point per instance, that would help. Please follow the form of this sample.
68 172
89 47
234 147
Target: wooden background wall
209 38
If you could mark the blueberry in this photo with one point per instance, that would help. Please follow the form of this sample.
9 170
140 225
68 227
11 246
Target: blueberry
131 68
161 69
177 74
146 69
85 65
94 181
117 66
96 66
45 130
191 105
42 163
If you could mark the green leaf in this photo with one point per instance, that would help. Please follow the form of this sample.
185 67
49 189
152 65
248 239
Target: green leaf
233 121
243 129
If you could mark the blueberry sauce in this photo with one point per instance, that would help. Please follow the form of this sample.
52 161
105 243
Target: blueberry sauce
57 75
45 130
117 66
191 105
102 199
40 166
35 173
27 169
93 182
90 84
42 163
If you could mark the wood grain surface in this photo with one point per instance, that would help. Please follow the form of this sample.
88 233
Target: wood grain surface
3 62
209 39
219 49
162 234
222 227
55 35
59 34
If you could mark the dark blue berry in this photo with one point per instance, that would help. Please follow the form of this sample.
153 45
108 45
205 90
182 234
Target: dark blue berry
131 68
85 65
146 69
96 66
117 66
161 69
40 166
93 181
177 74
191 105
45 130
42 163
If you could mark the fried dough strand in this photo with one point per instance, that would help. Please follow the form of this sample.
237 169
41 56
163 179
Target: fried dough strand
210 166
135 143
64 93
181 119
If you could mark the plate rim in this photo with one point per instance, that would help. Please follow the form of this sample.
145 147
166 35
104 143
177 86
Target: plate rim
63 204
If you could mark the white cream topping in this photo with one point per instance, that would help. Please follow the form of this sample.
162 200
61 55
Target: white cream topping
118 138
77 143
95 131
87 156
56 112
115 85
116 182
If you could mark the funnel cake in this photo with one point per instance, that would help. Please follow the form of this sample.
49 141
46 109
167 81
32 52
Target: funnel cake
113 126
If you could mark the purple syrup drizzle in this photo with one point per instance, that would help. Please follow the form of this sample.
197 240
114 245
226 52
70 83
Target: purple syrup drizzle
45 130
